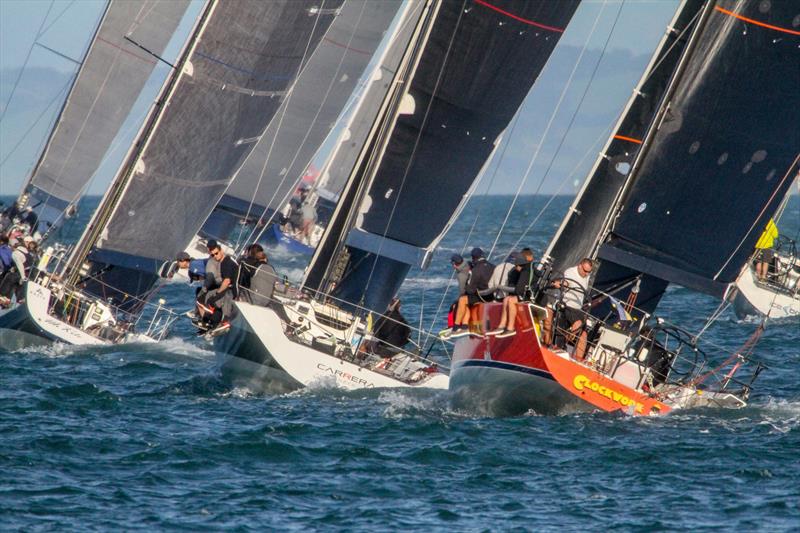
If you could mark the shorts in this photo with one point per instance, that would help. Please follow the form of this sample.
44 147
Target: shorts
767 255
473 299
573 315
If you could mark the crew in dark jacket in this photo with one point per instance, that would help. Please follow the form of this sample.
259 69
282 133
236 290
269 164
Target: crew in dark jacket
391 331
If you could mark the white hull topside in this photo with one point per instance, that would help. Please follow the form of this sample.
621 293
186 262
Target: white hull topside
257 352
753 298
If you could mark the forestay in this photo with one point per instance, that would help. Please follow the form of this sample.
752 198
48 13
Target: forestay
109 80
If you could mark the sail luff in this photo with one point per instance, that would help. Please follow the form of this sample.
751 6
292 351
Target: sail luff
330 245
64 104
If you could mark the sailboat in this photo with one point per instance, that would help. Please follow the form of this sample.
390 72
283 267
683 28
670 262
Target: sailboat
300 126
120 58
701 157
464 70
776 293
234 71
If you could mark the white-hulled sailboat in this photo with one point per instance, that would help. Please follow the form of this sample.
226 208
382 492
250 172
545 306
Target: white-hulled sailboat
235 70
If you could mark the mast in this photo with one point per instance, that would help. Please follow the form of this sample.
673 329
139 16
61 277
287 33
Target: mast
317 275
109 202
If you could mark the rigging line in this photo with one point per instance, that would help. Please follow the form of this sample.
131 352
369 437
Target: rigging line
424 122
574 116
25 63
761 214
322 102
285 107
592 149
56 19
36 122
553 117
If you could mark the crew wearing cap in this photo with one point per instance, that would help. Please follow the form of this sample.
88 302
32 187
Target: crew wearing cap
196 268
462 272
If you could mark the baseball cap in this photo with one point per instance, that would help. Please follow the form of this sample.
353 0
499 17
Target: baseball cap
476 253
183 256
457 259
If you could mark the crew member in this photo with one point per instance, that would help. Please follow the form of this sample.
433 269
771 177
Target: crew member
476 287
391 331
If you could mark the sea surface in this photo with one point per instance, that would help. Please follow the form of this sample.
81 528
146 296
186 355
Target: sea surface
149 437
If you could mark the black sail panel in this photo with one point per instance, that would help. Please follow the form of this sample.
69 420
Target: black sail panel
724 155
476 66
480 62
583 225
246 61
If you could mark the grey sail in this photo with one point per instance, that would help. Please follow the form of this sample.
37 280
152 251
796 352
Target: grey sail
303 122
717 160
111 76
238 66
471 72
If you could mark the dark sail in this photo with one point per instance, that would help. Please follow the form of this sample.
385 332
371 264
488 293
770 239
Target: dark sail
111 76
238 67
285 150
582 228
475 67
723 156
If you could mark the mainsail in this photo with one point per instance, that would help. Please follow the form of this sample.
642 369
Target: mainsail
467 73
303 122
112 74
717 159
236 69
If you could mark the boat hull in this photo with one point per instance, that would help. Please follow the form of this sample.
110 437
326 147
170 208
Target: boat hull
29 324
256 353
275 237
752 299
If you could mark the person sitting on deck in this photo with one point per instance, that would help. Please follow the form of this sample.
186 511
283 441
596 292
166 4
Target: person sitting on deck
216 305
499 281
477 291
574 287
391 332
461 268
247 266
527 280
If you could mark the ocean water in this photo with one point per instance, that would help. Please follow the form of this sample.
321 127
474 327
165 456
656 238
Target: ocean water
149 437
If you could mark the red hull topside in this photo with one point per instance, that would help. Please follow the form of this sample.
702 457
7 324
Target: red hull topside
525 349
522 349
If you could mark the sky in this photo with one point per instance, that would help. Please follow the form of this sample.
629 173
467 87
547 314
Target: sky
562 125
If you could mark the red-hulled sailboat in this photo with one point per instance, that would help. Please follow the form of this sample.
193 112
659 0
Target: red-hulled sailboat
702 155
